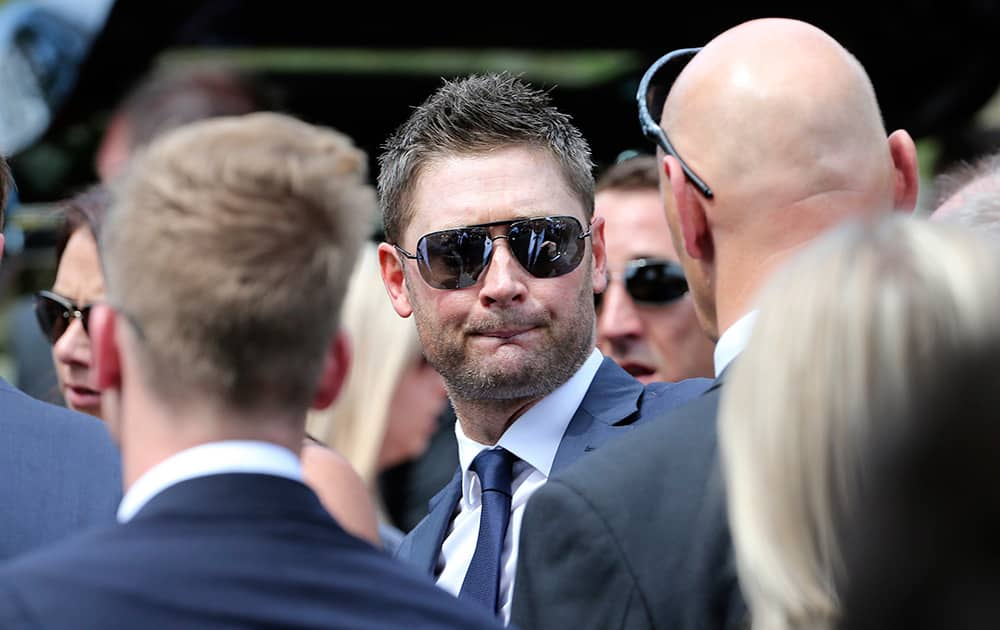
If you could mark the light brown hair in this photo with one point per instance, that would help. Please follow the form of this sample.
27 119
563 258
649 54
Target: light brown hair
634 174
229 246
473 116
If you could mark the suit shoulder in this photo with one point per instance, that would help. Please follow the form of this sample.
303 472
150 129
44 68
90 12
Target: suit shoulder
21 410
685 390
681 437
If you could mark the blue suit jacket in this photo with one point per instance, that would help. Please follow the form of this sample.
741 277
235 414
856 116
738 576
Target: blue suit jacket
59 473
234 550
614 403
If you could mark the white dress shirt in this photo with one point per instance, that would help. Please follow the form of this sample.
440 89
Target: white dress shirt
733 341
534 438
234 456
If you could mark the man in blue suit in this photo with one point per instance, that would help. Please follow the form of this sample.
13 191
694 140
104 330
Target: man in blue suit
227 253
487 198
61 472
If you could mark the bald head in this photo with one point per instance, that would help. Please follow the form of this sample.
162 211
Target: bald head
776 110
782 122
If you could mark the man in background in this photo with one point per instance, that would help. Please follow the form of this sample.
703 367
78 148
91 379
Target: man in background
645 317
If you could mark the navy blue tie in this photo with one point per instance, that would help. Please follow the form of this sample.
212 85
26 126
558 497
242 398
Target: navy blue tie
495 469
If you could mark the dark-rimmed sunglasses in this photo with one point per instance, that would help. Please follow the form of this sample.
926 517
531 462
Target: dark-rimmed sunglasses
547 247
652 94
55 314
652 281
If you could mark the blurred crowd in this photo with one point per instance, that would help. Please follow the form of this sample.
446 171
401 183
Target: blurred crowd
731 382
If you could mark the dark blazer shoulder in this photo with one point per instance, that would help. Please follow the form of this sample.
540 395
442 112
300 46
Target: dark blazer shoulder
60 472
651 506
229 550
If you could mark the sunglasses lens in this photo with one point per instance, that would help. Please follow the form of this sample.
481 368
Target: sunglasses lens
453 259
548 247
655 283
53 318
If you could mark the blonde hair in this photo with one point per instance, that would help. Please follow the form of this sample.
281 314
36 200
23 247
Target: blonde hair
846 340
383 346
229 245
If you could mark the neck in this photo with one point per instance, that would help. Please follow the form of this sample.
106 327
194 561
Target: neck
739 278
485 421
152 431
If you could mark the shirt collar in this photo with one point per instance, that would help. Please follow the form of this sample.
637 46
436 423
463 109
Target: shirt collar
234 456
733 341
535 437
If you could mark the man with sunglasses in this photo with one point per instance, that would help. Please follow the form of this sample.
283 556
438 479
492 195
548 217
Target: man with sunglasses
487 203
645 317
59 470
782 139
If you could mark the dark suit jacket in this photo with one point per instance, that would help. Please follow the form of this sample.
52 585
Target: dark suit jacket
224 551
612 406
59 473
634 536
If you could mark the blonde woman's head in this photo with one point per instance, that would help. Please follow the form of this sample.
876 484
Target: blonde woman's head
388 408
846 338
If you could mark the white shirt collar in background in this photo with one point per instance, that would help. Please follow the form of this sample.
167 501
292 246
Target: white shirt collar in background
733 341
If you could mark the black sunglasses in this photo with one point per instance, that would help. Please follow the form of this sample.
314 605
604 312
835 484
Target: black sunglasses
652 94
546 247
652 281
55 313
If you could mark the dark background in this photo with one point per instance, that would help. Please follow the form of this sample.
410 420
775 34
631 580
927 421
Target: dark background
933 64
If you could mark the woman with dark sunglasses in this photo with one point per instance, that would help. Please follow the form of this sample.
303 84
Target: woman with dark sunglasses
63 312
63 315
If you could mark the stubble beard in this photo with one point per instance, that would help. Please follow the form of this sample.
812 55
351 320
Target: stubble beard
549 364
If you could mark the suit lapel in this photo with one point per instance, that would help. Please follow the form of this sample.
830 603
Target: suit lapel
609 407
422 545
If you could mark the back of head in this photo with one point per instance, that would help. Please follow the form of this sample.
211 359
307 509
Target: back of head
877 307
169 98
471 116
229 247
383 345
174 97
783 123
969 195
638 173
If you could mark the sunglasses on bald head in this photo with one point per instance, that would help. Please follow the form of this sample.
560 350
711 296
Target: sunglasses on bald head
55 314
547 247
651 281
652 95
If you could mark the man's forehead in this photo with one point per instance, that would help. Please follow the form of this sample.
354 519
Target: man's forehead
635 225
508 184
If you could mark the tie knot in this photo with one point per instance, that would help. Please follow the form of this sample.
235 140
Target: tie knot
495 469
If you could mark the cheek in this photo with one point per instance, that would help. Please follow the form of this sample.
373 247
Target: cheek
59 364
